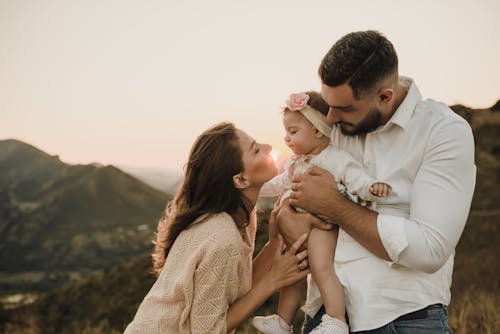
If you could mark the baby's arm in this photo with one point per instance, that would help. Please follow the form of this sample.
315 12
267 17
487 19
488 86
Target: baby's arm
345 168
279 183
276 186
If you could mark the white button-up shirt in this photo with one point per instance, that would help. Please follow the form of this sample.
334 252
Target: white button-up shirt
426 153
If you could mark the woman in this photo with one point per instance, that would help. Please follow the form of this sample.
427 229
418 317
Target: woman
203 254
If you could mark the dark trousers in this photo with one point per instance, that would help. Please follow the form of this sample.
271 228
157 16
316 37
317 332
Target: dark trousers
431 319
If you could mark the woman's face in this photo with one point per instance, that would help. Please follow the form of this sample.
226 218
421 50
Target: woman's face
259 165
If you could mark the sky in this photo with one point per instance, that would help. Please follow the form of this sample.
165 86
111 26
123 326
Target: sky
135 82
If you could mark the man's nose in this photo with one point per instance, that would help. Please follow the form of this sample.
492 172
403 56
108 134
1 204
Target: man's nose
332 116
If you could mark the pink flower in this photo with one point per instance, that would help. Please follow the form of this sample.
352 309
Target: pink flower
297 101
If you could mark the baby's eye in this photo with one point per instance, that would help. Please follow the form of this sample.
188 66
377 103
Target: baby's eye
257 150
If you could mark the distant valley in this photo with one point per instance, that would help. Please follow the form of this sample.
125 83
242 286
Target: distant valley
158 178
59 222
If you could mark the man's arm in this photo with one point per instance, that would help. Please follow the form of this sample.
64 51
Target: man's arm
440 201
317 193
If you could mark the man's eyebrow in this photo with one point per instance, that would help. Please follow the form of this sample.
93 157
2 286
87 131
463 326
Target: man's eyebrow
342 107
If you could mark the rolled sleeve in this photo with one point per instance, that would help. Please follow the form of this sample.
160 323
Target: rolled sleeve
440 201
393 235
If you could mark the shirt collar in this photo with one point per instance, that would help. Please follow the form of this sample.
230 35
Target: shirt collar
403 113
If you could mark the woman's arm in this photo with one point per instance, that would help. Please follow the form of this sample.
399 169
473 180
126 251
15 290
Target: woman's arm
263 261
282 272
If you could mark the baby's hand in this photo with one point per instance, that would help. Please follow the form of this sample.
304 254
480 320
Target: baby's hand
380 189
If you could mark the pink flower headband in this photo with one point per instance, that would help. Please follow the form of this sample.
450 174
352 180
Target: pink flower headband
297 101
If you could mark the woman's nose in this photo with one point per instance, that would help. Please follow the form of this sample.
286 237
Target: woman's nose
332 116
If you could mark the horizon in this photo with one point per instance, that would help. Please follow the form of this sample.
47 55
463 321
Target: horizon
133 84
278 156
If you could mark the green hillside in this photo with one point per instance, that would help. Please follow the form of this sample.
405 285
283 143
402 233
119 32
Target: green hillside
58 221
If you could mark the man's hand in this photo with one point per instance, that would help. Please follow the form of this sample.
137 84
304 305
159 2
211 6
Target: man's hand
317 193
293 224
314 191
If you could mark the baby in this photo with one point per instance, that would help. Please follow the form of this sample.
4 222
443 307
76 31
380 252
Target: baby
308 136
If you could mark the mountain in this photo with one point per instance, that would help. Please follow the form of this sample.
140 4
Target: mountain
475 290
496 106
59 221
158 178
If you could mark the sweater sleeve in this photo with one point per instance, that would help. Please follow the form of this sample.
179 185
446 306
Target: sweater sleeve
216 285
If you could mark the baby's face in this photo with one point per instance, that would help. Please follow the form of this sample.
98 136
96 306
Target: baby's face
301 135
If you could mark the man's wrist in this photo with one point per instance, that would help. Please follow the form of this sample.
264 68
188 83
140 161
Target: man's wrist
334 206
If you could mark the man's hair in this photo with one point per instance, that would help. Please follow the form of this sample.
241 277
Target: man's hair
360 59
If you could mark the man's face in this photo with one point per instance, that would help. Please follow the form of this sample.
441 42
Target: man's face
354 116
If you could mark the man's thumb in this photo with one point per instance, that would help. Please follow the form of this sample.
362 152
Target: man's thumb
315 170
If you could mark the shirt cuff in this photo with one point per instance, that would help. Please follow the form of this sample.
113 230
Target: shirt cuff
391 230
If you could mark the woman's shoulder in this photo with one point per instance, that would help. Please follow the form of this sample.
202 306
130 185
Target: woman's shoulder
217 230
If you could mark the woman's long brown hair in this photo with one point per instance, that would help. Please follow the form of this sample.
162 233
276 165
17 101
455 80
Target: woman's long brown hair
207 188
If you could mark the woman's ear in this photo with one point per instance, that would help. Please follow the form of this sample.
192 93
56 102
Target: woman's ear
240 182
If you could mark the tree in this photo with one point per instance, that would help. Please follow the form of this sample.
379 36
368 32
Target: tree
496 106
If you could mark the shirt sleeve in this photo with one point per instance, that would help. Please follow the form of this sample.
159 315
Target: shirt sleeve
344 168
279 183
216 285
440 202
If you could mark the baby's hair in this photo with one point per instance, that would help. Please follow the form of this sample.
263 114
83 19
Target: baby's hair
317 102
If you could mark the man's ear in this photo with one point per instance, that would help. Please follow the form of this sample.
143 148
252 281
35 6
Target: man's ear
240 182
385 96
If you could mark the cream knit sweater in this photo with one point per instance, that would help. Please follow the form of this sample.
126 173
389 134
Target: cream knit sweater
208 268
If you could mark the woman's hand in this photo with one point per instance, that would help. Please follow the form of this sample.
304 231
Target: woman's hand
275 239
293 224
274 271
290 267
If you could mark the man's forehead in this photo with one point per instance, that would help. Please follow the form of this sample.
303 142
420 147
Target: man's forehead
339 96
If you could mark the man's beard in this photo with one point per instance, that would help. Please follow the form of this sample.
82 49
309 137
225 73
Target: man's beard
368 124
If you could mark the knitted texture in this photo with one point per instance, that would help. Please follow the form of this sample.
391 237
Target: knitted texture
208 268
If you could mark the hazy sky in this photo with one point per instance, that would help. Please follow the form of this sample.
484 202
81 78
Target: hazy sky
134 82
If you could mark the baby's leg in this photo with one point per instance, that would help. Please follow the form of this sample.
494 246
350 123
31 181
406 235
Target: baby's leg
321 251
289 302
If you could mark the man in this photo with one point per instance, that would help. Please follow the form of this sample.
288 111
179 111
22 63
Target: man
395 264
